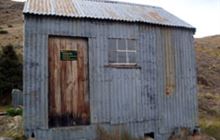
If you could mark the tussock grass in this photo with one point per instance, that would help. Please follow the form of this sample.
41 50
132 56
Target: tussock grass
209 107
4 108
211 126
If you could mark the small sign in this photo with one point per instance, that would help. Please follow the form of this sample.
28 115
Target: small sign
68 55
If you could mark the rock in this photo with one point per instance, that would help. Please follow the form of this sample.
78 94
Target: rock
148 138
5 138
11 127
17 120
31 139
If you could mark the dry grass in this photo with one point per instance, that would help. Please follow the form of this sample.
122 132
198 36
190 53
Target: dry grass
208 66
209 105
11 24
12 127
185 134
211 126
117 134
4 108
14 37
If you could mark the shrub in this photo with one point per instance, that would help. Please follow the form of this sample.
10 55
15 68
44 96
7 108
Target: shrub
14 112
10 26
10 73
3 32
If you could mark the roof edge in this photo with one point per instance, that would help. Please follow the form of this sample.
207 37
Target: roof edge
109 19
122 2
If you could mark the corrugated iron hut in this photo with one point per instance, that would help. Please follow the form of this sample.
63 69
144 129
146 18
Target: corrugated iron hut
112 65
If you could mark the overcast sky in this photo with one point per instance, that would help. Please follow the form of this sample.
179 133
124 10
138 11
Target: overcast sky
202 14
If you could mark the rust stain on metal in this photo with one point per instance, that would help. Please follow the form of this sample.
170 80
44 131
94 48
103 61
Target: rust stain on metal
156 16
65 7
169 61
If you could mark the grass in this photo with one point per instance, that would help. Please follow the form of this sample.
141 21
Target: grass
209 105
4 108
14 112
116 134
211 126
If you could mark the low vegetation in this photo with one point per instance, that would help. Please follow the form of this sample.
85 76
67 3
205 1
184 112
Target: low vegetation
14 112
208 66
211 127
10 73
209 108
4 108
3 32
117 134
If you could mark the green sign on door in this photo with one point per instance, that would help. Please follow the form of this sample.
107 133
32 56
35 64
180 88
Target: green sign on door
68 55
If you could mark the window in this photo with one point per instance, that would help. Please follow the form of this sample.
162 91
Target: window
122 51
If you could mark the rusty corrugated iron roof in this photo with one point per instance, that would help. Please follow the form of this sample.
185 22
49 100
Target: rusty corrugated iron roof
103 9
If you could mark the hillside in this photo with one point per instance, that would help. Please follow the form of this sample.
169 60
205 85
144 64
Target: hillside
208 70
208 66
11 23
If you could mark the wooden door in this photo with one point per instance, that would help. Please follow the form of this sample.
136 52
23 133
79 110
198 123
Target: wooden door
68 82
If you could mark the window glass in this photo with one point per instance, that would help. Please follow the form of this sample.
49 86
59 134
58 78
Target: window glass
111 45
121 44
132 57
112 51
112 57
131 44
121 57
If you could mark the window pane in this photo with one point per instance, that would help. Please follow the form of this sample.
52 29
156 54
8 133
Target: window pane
111 45
112 51
132 57
121 44
121 57
131 44
112 57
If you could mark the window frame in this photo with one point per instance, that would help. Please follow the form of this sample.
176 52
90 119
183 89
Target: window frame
125 50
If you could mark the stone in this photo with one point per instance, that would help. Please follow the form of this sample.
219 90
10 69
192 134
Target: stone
6 138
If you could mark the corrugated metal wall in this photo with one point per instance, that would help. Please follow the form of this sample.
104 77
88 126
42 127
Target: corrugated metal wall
179 109
132 98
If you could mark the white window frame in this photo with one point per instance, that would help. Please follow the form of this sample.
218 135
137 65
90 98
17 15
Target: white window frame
126 51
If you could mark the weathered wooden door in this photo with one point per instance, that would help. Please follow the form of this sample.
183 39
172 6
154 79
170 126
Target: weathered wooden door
68 82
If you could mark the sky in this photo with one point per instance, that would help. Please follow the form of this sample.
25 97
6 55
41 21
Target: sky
202 14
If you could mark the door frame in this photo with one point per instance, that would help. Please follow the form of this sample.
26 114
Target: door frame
48 75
